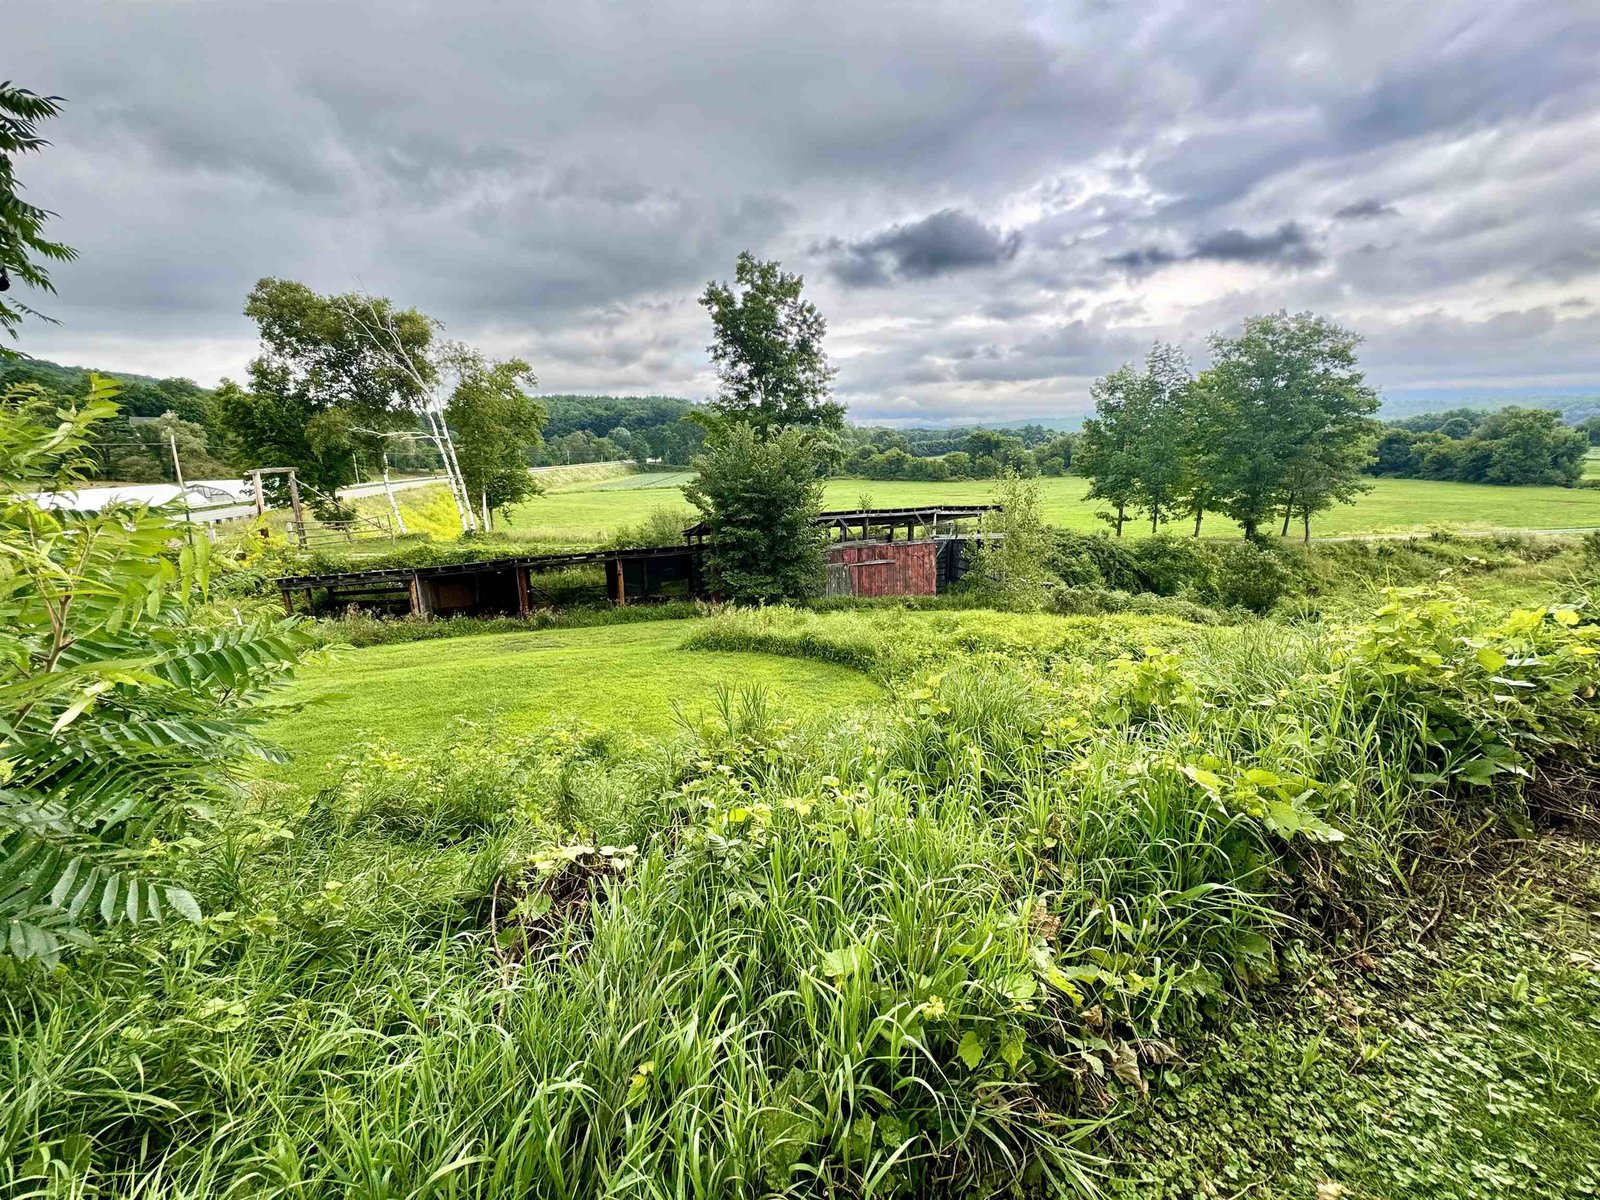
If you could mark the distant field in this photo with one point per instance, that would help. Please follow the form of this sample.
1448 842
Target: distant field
646 480
624 677
584 513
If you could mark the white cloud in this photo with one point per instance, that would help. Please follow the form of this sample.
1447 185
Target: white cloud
560 182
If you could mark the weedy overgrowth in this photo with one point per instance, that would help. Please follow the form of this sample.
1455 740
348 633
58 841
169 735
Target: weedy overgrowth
927 948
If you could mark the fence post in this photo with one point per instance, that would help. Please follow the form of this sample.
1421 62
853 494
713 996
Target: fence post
294 503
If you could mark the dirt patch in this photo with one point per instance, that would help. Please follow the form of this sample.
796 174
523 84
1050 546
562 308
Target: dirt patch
1566 796
546 906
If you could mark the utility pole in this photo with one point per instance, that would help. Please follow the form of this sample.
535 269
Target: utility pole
177 469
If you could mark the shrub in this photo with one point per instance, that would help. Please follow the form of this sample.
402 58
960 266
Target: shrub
1012 572
758 496
662 526
1170 566
1093 601
1084 558
120 714
1250 577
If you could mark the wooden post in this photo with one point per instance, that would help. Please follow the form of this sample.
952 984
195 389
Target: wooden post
294 505
288 601
523 607
261 502
621 595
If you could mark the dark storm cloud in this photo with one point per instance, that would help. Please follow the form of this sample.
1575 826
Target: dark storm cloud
943 242
1287 246
561 181
1365 210
1143 259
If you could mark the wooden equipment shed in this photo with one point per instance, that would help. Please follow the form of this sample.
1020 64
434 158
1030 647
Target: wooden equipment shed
871 552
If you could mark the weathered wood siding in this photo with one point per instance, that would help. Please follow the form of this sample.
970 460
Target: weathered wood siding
884 569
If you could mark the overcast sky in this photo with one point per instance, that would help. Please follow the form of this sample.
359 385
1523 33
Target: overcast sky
992 202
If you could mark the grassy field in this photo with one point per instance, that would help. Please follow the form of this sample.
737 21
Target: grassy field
588 513
646 480
1011 904
623 678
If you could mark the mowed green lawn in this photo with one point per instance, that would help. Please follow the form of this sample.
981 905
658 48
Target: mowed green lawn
622 677
589 513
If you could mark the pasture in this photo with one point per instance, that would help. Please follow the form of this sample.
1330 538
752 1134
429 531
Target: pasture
591 512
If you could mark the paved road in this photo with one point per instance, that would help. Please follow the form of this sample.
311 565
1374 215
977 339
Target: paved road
233 512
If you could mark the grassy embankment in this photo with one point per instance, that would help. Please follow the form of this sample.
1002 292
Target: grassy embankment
923 944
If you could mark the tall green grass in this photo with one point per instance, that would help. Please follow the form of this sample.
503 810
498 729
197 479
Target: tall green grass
919 951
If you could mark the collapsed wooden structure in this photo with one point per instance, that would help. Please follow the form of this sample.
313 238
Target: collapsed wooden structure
871 552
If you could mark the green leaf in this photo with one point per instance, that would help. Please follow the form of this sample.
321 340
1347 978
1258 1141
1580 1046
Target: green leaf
970 1050
1206 779
1021 987
183 903
108 900
1285 819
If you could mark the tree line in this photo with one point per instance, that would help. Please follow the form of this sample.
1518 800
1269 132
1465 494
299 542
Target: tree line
1279 427
135 445
647 429
976 453
1506 445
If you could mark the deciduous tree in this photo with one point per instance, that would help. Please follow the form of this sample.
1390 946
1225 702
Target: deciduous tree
759 497
1160 447
24 249
322 376
1291 417
495 424
1105 453
767 347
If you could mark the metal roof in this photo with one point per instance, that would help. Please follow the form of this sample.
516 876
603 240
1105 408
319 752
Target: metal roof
925 513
